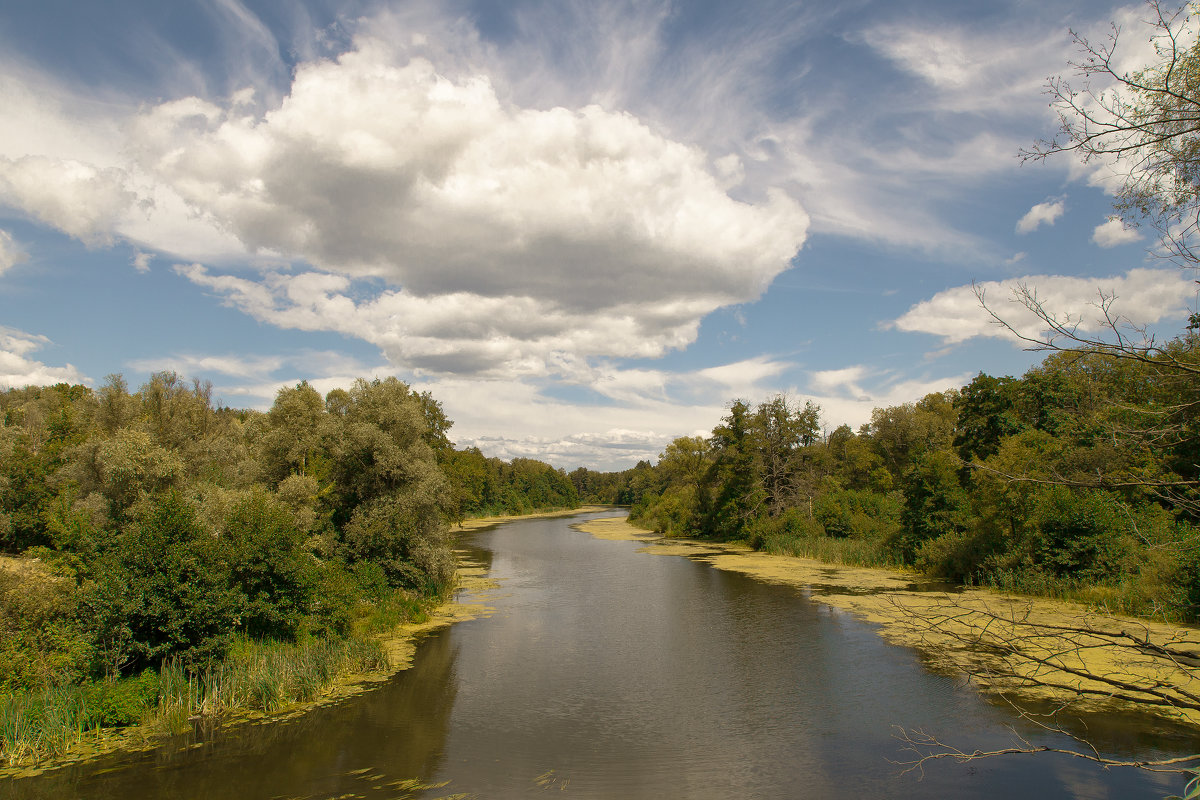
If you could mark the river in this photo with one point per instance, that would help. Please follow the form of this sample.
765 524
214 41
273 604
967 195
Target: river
605 672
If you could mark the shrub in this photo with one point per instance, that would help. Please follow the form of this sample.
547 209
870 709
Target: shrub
163 591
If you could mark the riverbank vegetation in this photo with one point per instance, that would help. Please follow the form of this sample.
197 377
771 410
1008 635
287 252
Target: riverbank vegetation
1077 480
165 558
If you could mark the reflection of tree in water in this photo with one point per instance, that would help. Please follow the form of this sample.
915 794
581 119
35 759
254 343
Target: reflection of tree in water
362 746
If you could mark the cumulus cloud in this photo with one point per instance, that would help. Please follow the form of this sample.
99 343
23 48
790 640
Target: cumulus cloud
1113 233
18 370
397 171
1046 213
1142 296
505 237
73 196
512 236
463 333
10 252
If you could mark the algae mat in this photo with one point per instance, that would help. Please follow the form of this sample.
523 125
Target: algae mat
1034 649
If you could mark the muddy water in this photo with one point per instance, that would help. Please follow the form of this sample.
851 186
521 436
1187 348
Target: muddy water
609 673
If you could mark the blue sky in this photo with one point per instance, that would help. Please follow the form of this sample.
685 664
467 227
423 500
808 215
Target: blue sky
585 226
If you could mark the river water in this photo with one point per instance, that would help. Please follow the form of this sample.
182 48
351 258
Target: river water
605 672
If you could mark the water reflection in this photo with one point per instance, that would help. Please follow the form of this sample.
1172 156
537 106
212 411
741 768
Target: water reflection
608 673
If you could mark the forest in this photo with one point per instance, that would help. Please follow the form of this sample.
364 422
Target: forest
1077 480
158 542
155 537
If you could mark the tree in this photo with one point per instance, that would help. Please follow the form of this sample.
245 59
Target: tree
782 428
735 475
1144 123
985 409
163 591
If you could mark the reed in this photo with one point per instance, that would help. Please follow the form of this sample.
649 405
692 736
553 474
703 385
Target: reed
267 676
850 551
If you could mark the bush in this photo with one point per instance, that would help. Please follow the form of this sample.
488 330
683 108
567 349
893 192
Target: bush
117 703
163 591
1080 534
269 567
43 638
858 513
960 556
407 538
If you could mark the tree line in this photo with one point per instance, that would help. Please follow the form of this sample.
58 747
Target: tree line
1077 479
165 526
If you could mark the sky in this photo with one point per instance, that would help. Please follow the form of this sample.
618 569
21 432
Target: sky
585 227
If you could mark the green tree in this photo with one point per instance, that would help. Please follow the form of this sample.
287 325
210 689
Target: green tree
935 503
735 477
272 573
986 411
163 591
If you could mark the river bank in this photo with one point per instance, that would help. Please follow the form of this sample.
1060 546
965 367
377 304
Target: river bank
479 523
195 712
192 710
397 644
1017 647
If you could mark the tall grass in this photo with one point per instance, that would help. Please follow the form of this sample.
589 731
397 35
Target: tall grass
263 676
852 552
36 726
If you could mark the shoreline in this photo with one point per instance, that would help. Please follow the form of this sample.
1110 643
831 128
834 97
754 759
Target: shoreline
481 523
400 645
966 631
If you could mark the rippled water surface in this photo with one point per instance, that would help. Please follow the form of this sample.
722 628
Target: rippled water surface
609 673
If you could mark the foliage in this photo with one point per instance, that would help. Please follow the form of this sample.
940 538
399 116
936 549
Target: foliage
993 484
163 591
1141 122
243 558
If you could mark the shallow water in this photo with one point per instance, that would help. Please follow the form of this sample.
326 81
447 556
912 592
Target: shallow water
609 673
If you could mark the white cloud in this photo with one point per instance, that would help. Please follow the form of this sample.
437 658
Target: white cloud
75 197
1113 233
370 168
206 366
979 69
1046 213
18 370
10 252
843 382
1143 296
518 238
